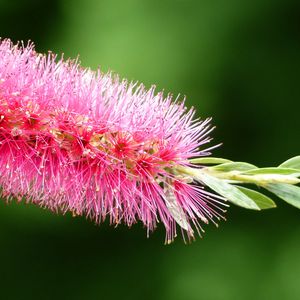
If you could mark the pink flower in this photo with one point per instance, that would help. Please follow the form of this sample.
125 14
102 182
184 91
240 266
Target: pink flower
76 140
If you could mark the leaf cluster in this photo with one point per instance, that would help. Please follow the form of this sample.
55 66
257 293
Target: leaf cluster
225 177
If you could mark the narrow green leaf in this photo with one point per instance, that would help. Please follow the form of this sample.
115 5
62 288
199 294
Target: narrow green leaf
228 191
293 163
262 201
209 160
174 208
234 166
281 171
287 192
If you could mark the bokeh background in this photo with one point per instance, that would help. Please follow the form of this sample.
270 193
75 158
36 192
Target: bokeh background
237 61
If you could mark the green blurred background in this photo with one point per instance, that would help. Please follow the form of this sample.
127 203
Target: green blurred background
237 61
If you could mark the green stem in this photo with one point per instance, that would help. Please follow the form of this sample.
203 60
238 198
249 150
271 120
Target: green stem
238 177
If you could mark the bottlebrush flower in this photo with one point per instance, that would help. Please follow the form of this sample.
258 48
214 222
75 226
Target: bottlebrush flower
76 140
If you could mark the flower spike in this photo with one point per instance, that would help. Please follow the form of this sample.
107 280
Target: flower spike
74 140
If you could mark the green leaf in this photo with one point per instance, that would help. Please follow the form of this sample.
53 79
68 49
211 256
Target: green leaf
281 171
293 163
228 191
233 166
209 160
174 208
287 192
262 201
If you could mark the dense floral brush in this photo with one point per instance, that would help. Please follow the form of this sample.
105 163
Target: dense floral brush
75 140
